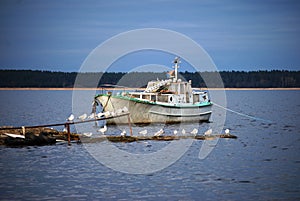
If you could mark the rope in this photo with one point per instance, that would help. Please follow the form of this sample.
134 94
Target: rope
106 103
66 123
241 114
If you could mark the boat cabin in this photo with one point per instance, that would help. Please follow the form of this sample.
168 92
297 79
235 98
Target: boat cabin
172 93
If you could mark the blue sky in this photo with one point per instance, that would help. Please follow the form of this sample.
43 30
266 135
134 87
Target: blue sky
58 35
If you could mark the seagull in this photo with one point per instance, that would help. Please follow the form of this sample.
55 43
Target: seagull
183 131
82 117
208 132
123 134
227 131
125 109
119 111
107 114
194 131
175 132
71 117
99 115
143 132
92 116
65 130
159 133
103 129
87 134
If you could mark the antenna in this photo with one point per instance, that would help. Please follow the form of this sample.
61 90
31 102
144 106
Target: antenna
176 62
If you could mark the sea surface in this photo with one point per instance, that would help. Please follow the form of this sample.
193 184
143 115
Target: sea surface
263 163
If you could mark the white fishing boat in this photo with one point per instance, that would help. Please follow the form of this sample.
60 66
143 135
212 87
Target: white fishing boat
163 101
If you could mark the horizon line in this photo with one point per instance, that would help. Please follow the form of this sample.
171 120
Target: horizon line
138 88
246 71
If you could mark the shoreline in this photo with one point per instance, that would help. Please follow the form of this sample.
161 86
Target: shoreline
113 89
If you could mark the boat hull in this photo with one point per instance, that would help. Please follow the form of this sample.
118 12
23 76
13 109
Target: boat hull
143 112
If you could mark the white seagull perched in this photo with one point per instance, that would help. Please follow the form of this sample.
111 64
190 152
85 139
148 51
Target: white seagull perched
183 131
227 131
194 131
103 129
143 132
125 109
87 134
71 117
107 114
208 132
92 116
82 117
123 134
159 133
119 111
100 115
175 132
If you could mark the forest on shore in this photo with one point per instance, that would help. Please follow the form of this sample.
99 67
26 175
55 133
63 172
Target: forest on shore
231 79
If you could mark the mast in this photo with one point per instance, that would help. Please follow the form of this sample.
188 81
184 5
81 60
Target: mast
176 66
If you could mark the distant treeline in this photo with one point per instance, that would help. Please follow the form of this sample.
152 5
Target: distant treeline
231 79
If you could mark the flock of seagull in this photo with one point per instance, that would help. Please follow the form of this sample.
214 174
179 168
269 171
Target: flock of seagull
84 116
103 129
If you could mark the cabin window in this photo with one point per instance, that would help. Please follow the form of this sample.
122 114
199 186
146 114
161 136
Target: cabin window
153 98
147 97
181 88
204 98
162 98
196 98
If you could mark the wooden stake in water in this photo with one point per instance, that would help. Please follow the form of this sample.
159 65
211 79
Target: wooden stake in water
129 124
23 130
69 134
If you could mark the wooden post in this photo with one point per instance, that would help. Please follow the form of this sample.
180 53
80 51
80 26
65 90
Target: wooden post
129 124
23 130
69 134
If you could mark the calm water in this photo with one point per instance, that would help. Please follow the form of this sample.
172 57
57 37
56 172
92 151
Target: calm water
262 164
